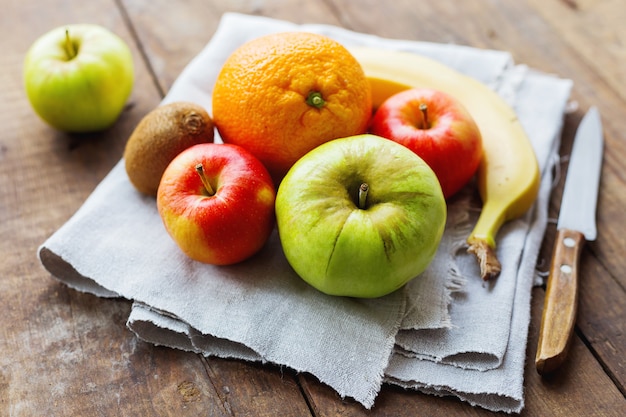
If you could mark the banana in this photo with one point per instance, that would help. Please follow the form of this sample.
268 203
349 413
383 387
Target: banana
508 177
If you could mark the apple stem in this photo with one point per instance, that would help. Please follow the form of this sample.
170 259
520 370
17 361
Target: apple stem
424 109
69 45
203 178
363 189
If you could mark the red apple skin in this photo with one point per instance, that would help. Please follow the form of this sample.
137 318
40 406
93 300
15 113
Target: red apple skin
450 142
229 226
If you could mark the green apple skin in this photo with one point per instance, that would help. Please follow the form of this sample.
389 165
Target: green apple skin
83 87
344 250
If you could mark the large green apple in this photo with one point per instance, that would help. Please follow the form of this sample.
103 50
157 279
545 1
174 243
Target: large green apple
360 216
78 77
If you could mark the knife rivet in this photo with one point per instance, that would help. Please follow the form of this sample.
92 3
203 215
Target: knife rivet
569 242
566 269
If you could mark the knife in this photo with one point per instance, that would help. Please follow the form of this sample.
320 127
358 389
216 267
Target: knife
576 225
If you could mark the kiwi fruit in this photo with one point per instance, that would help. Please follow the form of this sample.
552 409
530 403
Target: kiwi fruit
159 137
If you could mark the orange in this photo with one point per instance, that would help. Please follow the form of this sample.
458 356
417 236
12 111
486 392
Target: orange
281 95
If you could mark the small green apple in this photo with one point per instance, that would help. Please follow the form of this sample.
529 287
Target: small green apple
360 216
78 77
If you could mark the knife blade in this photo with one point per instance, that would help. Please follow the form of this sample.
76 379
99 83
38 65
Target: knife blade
575 226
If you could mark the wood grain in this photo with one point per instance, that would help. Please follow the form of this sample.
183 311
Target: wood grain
172 36
68 353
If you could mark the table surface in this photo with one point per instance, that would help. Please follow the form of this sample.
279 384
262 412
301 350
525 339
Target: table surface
69 353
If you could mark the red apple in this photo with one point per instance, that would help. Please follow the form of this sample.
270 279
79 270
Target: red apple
217 203
438 128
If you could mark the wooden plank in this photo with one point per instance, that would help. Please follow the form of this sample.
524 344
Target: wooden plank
595 30
248 389
602 319
391 402
172 36
75 357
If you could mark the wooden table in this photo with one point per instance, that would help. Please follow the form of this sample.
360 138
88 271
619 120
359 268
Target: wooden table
68 353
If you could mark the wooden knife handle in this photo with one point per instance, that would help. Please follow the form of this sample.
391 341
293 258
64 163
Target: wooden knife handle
561 302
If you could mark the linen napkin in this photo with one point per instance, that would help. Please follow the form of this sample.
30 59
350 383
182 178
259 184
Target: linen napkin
444 333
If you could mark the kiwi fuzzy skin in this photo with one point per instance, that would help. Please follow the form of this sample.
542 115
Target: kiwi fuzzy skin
159 137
